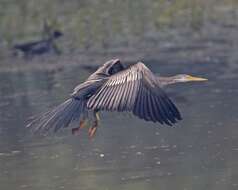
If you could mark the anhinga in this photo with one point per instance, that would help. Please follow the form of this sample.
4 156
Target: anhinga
113 87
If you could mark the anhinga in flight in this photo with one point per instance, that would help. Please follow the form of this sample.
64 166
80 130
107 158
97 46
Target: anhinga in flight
113 87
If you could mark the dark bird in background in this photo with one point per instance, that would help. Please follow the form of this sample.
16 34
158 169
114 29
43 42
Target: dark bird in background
41 46
113 87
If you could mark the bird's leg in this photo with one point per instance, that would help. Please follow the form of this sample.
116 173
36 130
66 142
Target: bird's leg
97 116
92 130
81 125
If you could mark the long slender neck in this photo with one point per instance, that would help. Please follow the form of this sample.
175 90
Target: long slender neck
163 81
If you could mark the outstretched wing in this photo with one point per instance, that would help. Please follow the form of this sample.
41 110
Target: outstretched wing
137 90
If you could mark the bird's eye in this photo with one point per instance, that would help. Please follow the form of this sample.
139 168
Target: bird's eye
115 69
111 71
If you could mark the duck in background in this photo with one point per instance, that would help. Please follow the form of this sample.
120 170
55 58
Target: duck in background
45 45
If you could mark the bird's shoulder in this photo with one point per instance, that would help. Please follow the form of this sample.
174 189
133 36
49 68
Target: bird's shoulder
138 71
132 69
87 87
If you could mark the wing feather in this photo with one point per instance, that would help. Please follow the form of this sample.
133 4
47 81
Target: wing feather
156 110
147 105
98 100
137 90
123 99
143 108
113 98
151 111
118 98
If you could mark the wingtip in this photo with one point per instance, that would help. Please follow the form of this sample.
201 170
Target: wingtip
142 66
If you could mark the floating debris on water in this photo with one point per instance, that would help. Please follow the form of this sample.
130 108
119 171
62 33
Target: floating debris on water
138 153
16 152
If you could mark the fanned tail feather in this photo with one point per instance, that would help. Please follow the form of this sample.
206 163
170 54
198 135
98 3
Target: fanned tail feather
59 117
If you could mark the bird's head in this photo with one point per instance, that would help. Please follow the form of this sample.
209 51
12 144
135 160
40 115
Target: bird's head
112 66
187 78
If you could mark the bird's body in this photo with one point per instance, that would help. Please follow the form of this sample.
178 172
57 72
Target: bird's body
113 87
39 47
36 47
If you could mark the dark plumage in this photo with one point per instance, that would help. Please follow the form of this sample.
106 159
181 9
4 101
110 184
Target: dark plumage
113 87
39 47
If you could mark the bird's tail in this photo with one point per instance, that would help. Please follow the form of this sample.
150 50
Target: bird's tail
61 116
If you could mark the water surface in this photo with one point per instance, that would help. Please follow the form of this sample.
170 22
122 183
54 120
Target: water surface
200 152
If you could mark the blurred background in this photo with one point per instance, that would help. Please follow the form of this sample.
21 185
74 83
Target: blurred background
48 47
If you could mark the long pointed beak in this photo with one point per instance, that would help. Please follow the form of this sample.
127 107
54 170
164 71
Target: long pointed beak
191 78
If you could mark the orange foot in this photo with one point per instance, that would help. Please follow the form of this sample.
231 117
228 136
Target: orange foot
76 129
92 131
81 124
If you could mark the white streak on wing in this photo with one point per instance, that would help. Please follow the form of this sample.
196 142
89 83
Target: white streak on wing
139 75
108 83
114 82
123 79
134 76
129 77
120 81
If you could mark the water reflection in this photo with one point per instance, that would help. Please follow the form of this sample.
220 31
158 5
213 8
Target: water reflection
199 153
